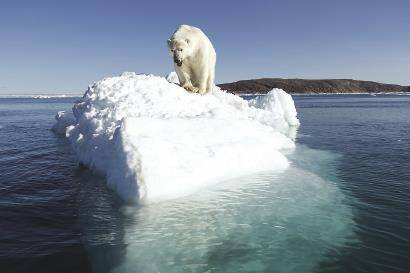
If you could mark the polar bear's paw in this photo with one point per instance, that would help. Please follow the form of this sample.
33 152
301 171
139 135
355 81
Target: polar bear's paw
195 90
202 92
191 88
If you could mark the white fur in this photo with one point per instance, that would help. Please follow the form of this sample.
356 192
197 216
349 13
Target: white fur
192 49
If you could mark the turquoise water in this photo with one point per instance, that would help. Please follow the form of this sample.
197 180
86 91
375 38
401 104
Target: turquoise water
342 206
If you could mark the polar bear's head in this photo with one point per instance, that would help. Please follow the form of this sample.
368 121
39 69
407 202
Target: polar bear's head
179 49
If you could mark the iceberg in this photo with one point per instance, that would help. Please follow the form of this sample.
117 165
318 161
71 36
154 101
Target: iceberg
153 140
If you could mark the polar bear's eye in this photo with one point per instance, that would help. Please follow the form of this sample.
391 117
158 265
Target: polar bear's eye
180 49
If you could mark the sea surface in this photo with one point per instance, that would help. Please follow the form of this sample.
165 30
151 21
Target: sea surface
342 206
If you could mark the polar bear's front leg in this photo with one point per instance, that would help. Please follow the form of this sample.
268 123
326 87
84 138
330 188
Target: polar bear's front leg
185 80
203 82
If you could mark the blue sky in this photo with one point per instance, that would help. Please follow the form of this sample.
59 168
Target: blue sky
62 46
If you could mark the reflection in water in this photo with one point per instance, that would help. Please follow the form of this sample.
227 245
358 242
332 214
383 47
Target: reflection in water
271 222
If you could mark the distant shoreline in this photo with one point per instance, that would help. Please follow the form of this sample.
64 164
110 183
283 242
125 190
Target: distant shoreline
307 86
321 94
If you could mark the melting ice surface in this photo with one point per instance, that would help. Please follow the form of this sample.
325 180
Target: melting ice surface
153 140
277 207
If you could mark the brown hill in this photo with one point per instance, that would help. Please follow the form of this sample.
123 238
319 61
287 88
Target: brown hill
311 86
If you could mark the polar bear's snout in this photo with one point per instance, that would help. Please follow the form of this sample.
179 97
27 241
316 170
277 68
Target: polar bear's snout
177 60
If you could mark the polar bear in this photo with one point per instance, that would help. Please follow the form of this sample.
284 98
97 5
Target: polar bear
194 59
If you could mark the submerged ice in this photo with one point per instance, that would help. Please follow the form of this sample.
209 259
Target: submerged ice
153 140
285 221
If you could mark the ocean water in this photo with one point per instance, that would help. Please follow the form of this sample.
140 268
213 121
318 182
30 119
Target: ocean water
342 206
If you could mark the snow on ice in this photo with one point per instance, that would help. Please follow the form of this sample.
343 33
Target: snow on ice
153 140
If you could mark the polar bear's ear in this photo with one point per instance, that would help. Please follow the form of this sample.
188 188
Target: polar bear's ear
169 43
188 41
